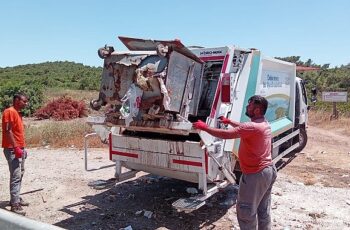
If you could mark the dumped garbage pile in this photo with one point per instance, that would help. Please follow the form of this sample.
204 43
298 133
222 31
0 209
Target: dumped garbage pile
60 109
153 83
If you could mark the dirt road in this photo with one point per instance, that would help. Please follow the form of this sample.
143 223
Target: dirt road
311 192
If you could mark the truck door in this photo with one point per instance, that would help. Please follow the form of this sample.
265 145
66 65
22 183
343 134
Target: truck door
184 84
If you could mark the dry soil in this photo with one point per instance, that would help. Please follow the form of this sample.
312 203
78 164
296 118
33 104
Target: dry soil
311 192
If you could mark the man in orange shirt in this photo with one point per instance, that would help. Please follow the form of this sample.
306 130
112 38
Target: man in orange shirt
258 172
13 143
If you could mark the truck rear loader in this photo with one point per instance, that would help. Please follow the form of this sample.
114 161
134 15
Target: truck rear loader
154 91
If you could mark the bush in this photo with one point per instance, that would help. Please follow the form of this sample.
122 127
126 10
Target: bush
63 108
34 94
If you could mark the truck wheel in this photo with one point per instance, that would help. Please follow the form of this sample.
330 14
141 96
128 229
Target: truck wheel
302 140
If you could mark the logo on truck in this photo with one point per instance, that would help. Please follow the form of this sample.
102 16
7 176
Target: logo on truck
210 53
275 80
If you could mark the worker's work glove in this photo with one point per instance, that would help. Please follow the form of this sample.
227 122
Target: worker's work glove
18 152
224 120
200 125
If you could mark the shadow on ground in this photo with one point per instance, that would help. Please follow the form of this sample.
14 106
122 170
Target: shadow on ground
122 205
4 204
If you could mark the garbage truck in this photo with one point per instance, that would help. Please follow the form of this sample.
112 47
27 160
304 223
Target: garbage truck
152 93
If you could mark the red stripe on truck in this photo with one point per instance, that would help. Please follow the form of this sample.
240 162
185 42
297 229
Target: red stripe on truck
225 63
191 163
111 152
124 154
213 58
206 161
110 146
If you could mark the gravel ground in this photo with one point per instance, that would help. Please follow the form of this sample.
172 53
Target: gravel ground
57 187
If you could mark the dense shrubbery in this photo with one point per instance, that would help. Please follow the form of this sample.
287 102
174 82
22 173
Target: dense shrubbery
337 79
325 79
63 108
67 75
33 79
33 92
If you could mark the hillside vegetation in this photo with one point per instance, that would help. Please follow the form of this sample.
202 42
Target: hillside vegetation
38 80
325 79
66 74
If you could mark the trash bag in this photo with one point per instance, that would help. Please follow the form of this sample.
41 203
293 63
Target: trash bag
131 103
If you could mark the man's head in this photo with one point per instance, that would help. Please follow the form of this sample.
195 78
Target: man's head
257 106
162 50
20 101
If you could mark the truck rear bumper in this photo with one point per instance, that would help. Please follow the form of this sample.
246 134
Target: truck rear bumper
183 160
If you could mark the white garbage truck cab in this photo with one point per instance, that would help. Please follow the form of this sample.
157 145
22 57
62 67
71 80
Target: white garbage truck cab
156 89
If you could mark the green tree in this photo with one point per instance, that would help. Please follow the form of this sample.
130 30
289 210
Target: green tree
34 94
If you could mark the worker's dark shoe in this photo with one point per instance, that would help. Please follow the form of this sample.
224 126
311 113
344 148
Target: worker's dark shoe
23 202
17 208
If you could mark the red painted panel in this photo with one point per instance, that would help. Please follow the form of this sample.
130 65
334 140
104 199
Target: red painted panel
206 161
184 162
110 146
133 155
213 58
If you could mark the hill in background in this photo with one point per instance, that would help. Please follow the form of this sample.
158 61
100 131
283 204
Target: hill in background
65 74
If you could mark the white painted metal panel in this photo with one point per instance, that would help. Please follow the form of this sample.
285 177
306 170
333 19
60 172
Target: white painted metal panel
238 104
193 149
183 156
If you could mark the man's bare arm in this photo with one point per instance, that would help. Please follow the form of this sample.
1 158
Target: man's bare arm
223 134
234 123
9 134
227 121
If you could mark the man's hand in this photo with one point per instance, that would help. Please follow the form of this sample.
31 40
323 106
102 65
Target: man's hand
200 125
224 120
18 152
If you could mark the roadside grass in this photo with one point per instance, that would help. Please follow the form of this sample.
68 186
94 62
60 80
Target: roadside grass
60 134
322 120
79 95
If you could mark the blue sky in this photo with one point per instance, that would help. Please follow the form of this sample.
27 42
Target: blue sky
72 30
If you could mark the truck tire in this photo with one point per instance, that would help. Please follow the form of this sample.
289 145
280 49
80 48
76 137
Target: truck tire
302 140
